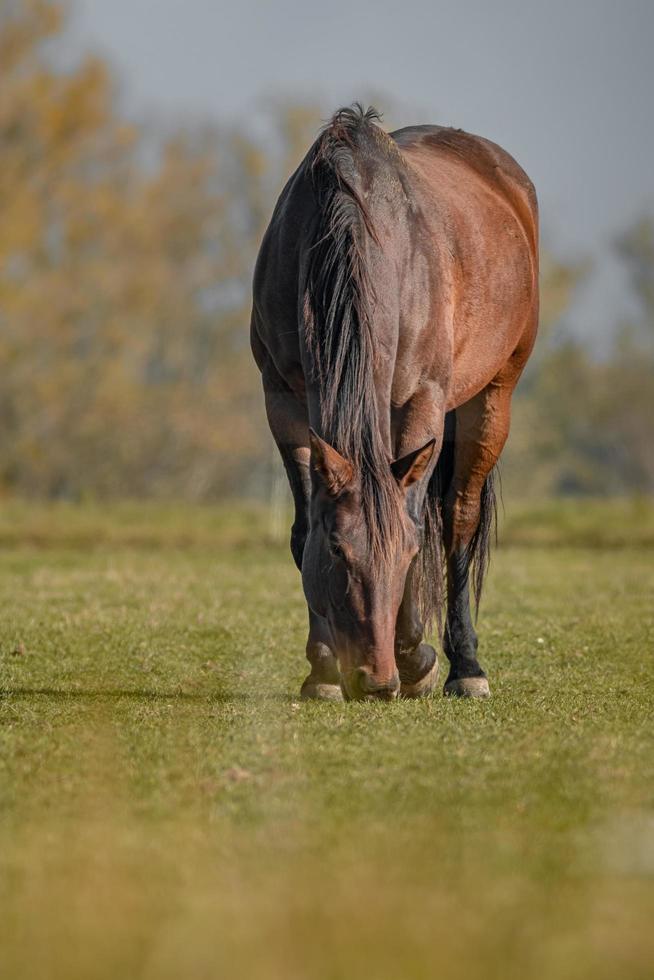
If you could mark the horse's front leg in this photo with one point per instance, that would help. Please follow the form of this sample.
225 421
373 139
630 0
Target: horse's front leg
417 662
288 424
323 682
421 417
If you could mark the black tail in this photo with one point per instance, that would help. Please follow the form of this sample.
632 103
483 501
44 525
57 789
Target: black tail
430 584
479 549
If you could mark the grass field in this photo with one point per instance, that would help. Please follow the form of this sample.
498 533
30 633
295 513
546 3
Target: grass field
169 809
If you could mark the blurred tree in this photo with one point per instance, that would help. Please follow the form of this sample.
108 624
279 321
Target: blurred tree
582 424
636 248
125 299
124 292
629 410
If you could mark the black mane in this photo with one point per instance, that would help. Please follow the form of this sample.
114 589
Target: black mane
338 313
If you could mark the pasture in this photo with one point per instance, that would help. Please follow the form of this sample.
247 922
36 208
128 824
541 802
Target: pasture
169 808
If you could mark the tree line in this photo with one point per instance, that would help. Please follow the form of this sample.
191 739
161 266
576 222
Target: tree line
125 268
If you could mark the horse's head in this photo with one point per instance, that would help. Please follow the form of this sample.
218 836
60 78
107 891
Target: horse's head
355 590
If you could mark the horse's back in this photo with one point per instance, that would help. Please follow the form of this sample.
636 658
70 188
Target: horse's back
479 210
422 145
470 211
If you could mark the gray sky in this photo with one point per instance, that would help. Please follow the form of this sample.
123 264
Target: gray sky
567 87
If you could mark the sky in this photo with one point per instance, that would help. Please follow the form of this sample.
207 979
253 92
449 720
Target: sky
565 85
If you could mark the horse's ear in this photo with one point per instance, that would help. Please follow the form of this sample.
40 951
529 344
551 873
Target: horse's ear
413 466
334 470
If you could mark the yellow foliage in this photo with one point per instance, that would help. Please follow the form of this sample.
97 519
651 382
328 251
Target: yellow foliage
122 372
125 287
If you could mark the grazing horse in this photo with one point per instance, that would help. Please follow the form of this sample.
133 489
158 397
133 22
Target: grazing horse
395 306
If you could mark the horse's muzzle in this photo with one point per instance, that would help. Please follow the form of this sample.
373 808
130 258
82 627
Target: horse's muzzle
361 685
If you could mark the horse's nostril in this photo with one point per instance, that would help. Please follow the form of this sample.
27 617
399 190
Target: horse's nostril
365 685
384 694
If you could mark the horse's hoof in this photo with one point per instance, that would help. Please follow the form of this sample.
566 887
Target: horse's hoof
467 687
424 686
319 691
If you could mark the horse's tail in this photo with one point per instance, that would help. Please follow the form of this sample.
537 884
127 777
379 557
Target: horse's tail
430 578
430 592
479 548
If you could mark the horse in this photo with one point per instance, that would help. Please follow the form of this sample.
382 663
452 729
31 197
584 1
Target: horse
395 305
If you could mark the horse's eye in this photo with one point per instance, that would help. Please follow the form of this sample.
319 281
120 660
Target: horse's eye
336 551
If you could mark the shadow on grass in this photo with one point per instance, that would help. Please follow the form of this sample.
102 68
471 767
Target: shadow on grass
128 694
141 694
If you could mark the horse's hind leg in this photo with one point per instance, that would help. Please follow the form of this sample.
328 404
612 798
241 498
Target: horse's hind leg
288 424
482 426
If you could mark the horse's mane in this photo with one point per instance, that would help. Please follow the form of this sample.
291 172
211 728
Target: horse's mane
338 312
339 300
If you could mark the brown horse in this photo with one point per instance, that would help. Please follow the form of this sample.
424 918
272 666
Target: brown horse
395 306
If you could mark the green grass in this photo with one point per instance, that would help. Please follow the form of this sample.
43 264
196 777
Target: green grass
169 809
